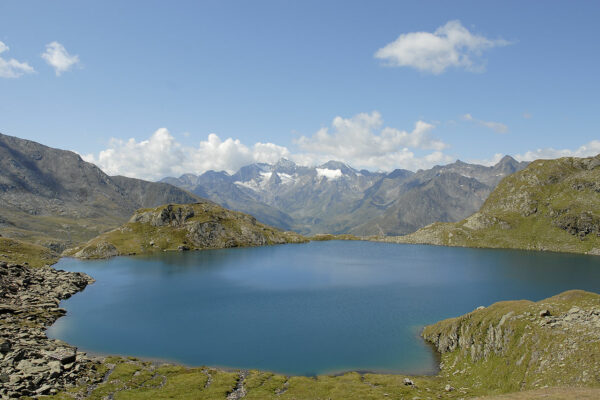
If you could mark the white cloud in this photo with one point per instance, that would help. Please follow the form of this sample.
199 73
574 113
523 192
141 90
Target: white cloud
331 174
161 155
362 142
363 136
11 68
497 127
589 149
451 45
359 141
58 58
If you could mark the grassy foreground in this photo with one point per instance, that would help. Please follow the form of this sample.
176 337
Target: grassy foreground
530 349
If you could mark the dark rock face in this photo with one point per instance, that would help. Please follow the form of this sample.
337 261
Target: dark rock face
30 363
580 225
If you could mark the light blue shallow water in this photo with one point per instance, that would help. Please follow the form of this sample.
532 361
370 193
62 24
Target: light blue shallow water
320 307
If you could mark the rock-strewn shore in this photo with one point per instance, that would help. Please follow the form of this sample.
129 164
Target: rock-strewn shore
522 345
30 363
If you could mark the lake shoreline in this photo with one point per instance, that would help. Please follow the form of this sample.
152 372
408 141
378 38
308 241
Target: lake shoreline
47 366
34 364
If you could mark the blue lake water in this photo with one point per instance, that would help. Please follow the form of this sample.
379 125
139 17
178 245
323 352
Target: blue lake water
303 309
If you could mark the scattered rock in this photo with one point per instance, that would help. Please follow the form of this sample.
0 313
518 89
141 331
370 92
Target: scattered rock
30 363
448 388
408 382
545 313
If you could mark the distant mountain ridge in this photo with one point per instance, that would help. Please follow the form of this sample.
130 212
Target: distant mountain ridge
551 205
336 198
54 198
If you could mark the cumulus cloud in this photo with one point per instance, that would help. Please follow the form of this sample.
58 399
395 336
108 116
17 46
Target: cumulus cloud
451 45
497 127
360 141
161 155
58 58
589 149
11 68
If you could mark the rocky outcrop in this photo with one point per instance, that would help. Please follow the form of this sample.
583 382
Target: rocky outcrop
554 341
182 227
30 363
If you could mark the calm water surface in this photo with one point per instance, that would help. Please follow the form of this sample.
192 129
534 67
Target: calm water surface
313 308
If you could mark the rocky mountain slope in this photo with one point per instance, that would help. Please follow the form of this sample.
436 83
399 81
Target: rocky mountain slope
335 198
519 345
54 198
550 205
183 227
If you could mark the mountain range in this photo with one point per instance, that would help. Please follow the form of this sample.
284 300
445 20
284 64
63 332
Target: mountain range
54 198
336 198
551 205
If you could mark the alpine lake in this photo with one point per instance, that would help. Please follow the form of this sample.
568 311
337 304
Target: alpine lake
302 309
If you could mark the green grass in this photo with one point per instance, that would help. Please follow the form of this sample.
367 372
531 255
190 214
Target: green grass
527 211
15 251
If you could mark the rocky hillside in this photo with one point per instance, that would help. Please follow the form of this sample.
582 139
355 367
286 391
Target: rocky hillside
520 345
551 205
183 227
53 198
336 198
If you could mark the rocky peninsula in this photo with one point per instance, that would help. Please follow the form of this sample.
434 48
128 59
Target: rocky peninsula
30 363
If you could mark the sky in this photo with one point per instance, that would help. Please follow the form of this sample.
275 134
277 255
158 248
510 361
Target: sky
152 89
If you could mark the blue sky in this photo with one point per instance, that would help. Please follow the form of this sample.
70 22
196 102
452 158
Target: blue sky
168 74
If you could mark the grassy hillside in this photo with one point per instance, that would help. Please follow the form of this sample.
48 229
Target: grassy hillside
514 346
14 251
521 345
183 227
550 205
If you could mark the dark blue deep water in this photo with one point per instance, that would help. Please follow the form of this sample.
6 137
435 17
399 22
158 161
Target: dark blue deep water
321 307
